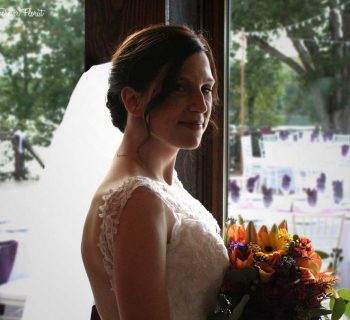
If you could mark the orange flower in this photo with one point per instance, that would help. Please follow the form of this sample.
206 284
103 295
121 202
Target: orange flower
307 275
326 277
283 225
250 233
330 279
310 260
241 257
236 233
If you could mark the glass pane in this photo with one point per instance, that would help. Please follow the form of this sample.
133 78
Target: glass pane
289 118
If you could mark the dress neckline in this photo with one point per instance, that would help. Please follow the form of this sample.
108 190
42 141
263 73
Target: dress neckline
176 182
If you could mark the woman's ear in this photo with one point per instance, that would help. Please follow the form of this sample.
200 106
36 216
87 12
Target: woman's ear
132 101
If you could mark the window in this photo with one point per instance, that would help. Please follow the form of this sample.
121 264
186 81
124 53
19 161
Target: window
289 113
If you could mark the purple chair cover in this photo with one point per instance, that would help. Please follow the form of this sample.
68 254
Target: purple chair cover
8 250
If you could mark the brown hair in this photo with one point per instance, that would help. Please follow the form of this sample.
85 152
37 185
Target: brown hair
143 55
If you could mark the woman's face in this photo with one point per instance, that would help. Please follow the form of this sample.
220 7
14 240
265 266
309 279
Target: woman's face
182 118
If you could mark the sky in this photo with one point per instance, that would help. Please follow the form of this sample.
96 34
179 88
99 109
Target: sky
282 44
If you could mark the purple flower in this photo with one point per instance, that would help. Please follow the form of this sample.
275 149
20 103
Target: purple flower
251 183
286 179
338 192
321 182
311 196
241 246
267 196
235 191
345 150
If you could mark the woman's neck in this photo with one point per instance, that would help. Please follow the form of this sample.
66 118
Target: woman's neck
150 156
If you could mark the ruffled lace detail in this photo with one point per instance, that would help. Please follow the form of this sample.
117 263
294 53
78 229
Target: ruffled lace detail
110 212
196 256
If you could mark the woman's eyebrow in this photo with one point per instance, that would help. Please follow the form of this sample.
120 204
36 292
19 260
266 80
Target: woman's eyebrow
188 79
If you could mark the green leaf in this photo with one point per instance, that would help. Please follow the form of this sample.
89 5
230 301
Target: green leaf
274 229
238 310
322 254
338 308
345 294
318 312
245 275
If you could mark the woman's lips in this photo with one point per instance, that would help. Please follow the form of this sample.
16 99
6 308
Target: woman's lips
192 125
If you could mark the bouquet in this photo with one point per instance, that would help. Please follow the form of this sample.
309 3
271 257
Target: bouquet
274 275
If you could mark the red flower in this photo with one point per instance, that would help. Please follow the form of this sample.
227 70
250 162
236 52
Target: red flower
241 256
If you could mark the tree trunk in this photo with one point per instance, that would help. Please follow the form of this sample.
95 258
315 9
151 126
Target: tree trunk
342 120
331 105
250 105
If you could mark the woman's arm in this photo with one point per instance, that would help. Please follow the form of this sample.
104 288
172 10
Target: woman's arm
140 258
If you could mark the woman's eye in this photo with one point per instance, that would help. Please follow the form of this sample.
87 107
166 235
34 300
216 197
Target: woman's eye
179 87
207 90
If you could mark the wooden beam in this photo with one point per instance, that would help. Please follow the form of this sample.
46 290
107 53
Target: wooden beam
108 22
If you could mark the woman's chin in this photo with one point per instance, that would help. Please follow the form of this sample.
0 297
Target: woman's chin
191 145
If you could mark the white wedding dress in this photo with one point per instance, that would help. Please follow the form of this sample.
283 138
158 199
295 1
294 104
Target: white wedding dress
196 256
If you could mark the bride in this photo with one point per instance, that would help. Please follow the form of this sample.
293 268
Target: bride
151 251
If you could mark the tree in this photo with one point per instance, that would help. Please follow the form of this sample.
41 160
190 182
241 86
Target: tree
43 52
263 89
320 33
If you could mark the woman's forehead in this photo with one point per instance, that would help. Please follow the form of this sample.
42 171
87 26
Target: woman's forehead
197 65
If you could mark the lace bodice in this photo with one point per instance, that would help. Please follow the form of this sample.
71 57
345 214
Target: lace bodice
196 256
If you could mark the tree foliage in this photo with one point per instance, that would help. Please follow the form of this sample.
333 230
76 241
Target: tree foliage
43 58
263 87
320 33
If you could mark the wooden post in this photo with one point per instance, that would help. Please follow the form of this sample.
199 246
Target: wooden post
17 142
243 58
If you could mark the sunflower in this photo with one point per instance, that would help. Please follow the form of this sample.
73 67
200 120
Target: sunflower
272 242
283 233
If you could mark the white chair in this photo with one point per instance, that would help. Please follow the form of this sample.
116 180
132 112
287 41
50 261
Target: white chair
341 138
13 298
251 165
324 231
266 139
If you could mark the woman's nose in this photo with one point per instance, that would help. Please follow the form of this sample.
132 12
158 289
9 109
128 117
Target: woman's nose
198 103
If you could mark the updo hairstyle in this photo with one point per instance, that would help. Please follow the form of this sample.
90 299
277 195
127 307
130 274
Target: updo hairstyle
141 57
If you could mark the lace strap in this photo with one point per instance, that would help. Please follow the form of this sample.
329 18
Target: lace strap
110 212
